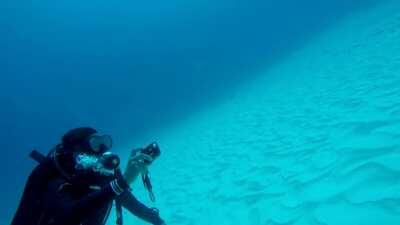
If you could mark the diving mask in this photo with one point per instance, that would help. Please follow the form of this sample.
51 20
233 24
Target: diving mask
100 143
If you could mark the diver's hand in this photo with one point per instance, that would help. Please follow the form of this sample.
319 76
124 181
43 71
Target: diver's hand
137 164
156 217
161 223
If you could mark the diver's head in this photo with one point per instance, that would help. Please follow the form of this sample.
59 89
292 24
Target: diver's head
86 140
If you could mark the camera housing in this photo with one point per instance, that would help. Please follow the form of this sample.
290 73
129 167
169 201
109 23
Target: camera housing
152 150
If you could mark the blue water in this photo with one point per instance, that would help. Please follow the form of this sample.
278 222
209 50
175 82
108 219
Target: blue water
267 113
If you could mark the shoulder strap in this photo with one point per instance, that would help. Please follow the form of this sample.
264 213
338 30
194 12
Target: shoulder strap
147 184
118 208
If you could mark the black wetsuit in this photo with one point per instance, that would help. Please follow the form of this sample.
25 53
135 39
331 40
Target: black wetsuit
51 199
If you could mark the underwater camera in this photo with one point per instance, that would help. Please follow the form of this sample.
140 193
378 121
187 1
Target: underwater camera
152 150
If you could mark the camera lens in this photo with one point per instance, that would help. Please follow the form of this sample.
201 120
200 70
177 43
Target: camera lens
153 150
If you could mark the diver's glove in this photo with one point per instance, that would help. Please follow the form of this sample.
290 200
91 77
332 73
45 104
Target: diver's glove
161 223
158 221
119 184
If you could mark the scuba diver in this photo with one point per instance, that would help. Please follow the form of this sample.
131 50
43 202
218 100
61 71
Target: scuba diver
78 181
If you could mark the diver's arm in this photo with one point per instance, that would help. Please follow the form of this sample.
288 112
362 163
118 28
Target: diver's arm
67 210
105 194
129 202
92 201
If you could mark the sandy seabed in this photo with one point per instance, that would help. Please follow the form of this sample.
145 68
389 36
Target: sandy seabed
315 140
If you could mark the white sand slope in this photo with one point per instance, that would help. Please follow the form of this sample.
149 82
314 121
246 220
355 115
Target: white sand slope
315 140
